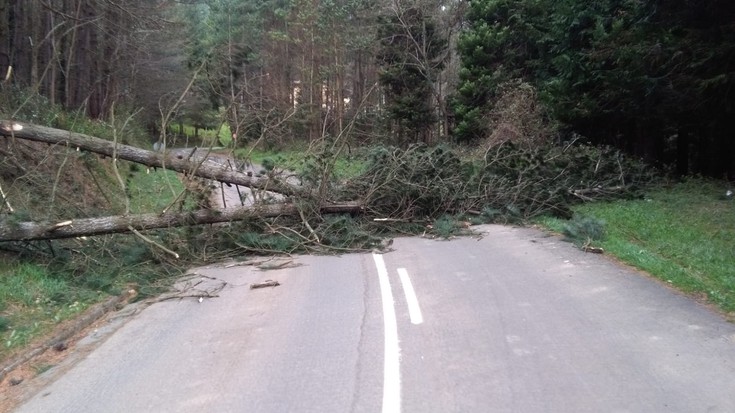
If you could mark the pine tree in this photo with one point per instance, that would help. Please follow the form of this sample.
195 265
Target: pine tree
410 57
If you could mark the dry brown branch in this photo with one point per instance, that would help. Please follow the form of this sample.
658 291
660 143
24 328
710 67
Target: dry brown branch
5 200
264 284
56 184
115 169
152 242
591 194
306 224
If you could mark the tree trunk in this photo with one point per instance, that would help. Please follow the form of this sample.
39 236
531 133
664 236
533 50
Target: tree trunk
5 52
682 152
34 43
28 231
70 73
53 60
187 163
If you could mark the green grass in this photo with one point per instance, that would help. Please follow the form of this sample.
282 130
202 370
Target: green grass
683 235
152 190
45 283
296 160
221 136
33 299
345 168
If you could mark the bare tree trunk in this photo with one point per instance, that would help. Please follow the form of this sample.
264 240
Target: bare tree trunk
34 42
5 46
188 163
28 231
52 59
70 72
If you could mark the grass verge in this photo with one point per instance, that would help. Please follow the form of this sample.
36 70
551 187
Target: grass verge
56 281
43 284
33 299
683 235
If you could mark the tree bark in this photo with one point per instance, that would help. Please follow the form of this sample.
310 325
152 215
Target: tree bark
28 231
184 163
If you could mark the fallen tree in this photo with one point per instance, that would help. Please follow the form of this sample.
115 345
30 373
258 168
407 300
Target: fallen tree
14 228
189 163
29 231
418 183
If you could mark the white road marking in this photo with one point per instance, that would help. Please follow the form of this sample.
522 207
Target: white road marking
391 369
414 310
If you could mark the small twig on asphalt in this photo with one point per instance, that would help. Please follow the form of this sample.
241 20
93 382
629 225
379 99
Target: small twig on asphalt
188 290
277 265
264 284
199 296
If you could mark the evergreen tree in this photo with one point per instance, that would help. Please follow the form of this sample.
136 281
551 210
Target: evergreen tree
504 40
410 57
653 78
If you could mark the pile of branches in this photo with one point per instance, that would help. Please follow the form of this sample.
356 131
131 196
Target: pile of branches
507 183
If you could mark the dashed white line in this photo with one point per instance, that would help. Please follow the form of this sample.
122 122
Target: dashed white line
391 369
414 310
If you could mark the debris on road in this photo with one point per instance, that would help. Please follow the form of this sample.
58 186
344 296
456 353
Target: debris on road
196 286
264 284
265 265
276 265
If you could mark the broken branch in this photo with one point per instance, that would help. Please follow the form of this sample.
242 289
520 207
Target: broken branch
264 284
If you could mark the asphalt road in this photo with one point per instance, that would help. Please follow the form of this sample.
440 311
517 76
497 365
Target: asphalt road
513 322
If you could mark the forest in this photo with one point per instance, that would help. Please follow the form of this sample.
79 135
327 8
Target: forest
654 79
337 125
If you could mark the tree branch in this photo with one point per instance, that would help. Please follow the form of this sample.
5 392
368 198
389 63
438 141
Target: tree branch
206 168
